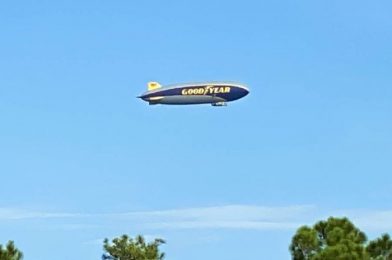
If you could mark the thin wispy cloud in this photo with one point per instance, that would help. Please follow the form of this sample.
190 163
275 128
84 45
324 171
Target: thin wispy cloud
230 216
377 220
247 217
229 212
261 225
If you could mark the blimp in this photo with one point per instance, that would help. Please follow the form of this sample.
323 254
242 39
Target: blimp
214 93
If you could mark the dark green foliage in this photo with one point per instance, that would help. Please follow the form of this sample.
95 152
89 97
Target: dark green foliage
381 248
335 230
10 252
338 239
335 239
126 248
305 243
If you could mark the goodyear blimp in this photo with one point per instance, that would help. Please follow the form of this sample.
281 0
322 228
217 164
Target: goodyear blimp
214 93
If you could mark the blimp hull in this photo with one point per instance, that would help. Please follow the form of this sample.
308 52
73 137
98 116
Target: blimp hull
215 93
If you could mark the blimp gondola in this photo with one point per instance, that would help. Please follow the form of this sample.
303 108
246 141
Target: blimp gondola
214 93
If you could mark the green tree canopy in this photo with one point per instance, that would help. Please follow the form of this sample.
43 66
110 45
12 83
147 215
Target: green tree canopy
126 248
381 248
305 243
336 238
10 252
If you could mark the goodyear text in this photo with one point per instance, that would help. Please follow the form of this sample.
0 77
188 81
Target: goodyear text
209 90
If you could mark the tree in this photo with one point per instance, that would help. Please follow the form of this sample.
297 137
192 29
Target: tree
381 248
336 238
10 252
126 248
305 243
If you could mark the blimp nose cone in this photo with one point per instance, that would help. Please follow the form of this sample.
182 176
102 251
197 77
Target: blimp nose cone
244 91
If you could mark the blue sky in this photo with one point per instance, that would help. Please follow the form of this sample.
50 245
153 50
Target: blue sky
82 159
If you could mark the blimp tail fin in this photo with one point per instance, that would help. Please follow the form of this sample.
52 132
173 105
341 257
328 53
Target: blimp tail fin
153 85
